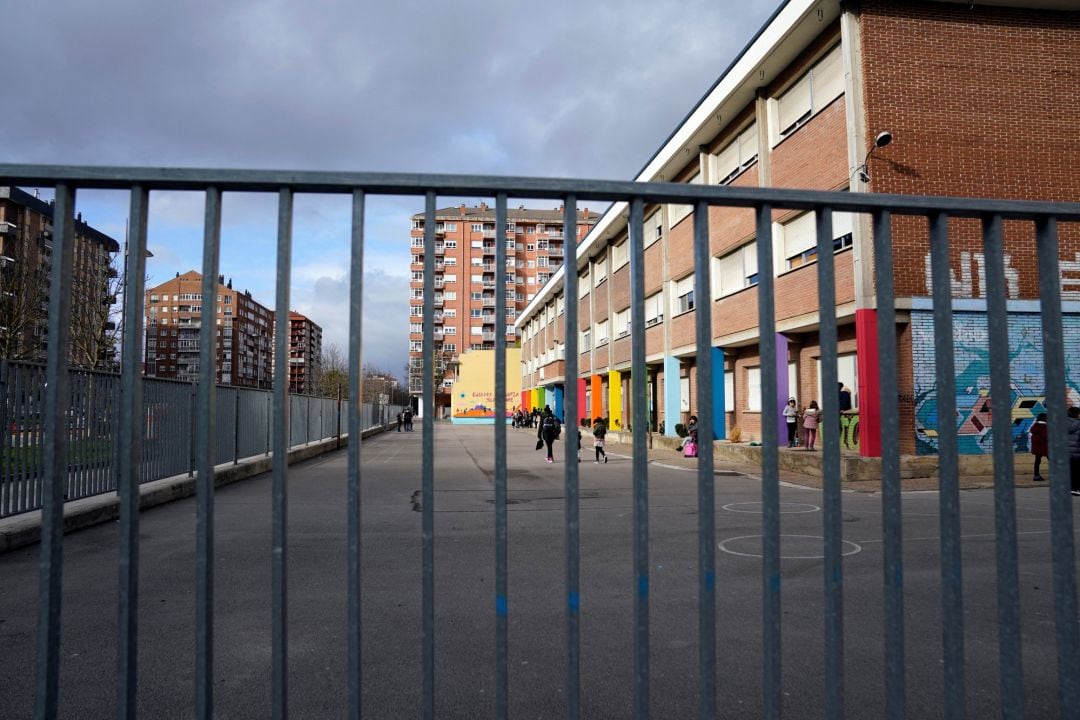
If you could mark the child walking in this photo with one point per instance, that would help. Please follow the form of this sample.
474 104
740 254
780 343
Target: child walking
810 419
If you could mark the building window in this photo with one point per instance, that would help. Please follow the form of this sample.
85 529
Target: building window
415 345
450 278
529 247
450 244
450 347
798 237
678 213
478 227
653 227
729 391
735 271
753 389
418 224
620 324
654 309
450 330
601 333
683 296
416 327
418 275
600 271
738 155
450 262
620 254
822 84
450 295
584 284
585 340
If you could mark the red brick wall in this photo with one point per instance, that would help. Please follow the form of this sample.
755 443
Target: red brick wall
815 156
730 227
980 103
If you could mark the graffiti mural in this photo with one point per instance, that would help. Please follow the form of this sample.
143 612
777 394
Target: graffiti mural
972 362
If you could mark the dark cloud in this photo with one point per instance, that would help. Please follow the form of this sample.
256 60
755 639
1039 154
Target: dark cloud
562 88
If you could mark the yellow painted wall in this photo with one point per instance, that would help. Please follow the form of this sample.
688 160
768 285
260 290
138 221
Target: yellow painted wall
472 398
615 399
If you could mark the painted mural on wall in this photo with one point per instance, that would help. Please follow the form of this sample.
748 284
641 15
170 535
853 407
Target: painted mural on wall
972 362
472 399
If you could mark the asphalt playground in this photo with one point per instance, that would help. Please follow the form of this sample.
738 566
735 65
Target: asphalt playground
464 588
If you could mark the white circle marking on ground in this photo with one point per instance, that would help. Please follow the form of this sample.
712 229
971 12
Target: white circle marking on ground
755 508
855 547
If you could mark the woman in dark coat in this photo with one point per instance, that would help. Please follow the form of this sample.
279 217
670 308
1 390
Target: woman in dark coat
1038 443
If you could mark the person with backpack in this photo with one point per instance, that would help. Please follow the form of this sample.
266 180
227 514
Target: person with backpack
599 430
548 431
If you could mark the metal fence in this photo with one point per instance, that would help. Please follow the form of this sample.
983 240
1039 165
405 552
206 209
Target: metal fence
169 424
881 208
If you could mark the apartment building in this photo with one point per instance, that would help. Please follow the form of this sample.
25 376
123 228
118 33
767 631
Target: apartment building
465 279
305 354
921 97
245 333
26 244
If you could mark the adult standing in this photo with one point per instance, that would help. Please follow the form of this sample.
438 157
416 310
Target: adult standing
1074 449
548 431
1039 444
845 398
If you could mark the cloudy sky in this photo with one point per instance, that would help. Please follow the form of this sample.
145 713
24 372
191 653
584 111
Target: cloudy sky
566 89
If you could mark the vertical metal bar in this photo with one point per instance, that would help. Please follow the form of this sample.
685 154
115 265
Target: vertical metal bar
1010 664
5 440
1063 548
501 598
279 553
705 479
831 480
572 528
356 320
236 426
428 485
204 481
952 591
641 460
770 467
129 456
57 399
892 526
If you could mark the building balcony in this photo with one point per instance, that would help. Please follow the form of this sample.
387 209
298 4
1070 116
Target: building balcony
488 302
489 337
489 284
489 248
489 233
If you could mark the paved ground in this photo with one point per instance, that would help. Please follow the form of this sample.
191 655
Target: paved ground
464 587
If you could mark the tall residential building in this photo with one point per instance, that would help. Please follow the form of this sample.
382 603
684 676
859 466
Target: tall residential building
465 279
305 354
917 98
26 243
245 333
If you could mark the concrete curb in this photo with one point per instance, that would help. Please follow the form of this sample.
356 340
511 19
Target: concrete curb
853 468
25 529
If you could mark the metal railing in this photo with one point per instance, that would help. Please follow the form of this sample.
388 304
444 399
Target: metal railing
763 202
169 427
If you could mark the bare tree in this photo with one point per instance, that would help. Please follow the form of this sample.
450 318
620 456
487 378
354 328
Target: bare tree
97 316
23 301
333 378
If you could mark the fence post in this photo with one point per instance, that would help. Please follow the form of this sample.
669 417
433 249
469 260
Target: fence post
236 426
5 440
338 406
191 434
269 401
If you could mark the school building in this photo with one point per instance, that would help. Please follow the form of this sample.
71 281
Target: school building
924 98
